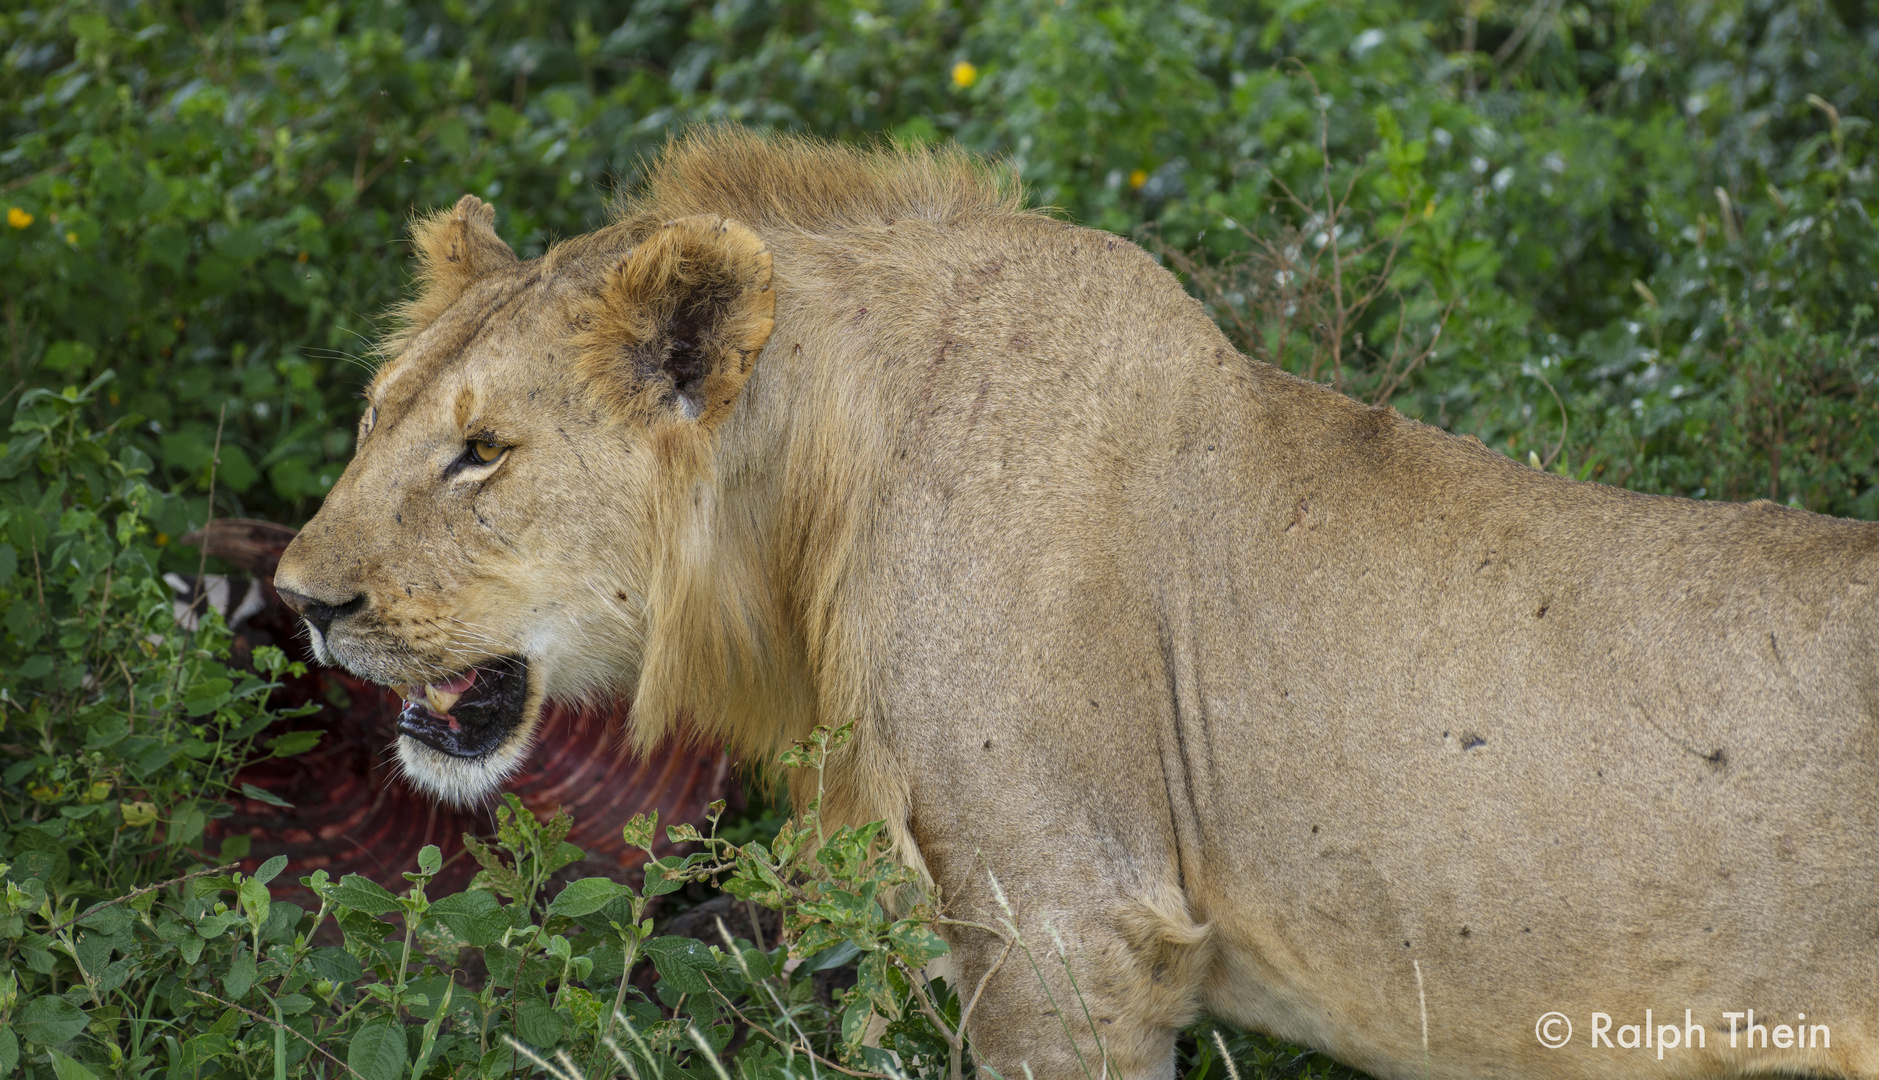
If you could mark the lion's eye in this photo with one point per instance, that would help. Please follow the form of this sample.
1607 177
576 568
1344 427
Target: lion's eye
485 452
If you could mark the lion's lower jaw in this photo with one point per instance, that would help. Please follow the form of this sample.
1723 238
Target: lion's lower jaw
461 781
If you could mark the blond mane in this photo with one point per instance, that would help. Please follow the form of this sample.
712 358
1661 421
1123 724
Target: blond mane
775 181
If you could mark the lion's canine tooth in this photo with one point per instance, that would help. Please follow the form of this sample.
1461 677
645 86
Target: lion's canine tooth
440 700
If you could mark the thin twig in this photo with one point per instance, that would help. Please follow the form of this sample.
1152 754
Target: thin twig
202 564
786 1044
40 175
135 893
284 1027
1564 421
983 979
926 1006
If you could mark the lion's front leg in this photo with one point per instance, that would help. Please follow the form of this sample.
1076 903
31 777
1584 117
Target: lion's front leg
1088 993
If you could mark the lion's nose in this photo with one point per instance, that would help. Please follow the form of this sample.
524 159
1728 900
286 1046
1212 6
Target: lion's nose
318 615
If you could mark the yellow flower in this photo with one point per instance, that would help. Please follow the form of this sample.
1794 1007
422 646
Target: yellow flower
71 238
302 257
18 218
1137 178
964 75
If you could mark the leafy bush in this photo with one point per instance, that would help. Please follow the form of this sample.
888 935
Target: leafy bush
122 727
208 976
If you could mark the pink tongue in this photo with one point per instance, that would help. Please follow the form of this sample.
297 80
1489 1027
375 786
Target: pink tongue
459 684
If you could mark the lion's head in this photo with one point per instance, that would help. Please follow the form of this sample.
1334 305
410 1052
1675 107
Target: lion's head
488 547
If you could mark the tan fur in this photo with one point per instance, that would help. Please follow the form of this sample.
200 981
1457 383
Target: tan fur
455 248
1260 701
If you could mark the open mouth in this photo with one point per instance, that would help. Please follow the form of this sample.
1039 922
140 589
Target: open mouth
470 714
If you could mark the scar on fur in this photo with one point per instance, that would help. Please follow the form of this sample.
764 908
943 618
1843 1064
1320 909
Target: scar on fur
1300 516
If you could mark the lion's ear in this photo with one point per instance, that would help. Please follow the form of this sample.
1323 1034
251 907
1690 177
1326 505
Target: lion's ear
678 323
455 248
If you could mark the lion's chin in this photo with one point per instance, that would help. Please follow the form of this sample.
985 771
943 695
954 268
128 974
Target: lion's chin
462 781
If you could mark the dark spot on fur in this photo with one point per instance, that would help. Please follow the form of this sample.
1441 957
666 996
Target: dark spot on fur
1717 757
988 744
1465 932
619 596
1405 944
1526 929
1314 828
1470 742
407 590
1544 604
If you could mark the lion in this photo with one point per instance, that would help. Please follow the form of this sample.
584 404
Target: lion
1236 696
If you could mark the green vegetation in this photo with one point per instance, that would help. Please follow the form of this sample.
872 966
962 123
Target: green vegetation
1621 240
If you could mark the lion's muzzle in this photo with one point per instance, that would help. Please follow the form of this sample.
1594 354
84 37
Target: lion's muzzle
470 715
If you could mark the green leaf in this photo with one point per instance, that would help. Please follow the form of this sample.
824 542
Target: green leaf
431 991
49 1020
270 869
206 696
66 1069
262 795
363 894
536 1023
833 958
255 900
110 921
9 1050
660 878
476 916
855 1019
430 859
332 962
685 963
882 983
283 920
585 896
915 943
294 742
240 976
378 1050
638 832
500 1063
